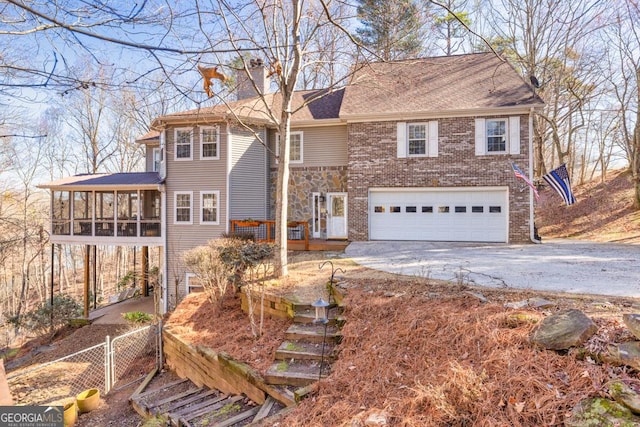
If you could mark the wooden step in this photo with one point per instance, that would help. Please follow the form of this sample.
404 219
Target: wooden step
298 373
309 316
301 350
306 306
313 333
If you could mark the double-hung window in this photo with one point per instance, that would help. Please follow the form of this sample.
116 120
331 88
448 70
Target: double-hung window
295 147
183 211
496 135
183 143
156 159
209 201
210 143
417 139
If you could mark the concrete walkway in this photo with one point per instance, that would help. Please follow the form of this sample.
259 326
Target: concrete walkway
556 265
112 314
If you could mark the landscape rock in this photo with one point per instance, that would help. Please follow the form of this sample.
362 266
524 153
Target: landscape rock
633 323
537 302
601 412
479 296
625 395
376 419
534 302
519 318
565 329
626 353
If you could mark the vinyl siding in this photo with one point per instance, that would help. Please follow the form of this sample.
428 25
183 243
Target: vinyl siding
248 178
321 146
193 176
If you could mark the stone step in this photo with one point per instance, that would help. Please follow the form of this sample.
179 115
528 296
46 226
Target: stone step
297 373
301 350
304 306
313 333
309 316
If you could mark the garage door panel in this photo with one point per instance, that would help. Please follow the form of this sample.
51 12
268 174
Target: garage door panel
480 215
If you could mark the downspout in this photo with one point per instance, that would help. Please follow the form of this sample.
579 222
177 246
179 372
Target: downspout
228 183
532 233
163 231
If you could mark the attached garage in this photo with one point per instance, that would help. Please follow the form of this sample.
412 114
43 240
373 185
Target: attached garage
478 214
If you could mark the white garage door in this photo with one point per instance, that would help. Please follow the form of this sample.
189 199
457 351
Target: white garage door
451 214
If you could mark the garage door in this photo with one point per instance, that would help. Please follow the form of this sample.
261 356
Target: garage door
467 215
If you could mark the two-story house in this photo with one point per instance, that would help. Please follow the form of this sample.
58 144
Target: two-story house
409 150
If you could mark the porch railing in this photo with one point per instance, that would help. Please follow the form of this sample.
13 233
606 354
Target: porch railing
106 227
265 230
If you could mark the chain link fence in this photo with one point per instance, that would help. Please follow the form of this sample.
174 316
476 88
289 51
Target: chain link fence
125 359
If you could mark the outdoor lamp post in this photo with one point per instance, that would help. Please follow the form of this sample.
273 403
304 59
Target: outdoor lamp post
321 311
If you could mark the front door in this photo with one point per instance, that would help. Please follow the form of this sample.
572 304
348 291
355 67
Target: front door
336 215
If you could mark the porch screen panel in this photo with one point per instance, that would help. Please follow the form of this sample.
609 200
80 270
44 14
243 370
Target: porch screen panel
61 213
82 213
105 213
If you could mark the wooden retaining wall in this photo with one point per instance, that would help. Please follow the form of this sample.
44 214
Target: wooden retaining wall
204 367
273 305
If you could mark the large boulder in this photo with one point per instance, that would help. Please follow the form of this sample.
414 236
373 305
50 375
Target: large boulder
626 353
600 412
565 329
633 323
625 395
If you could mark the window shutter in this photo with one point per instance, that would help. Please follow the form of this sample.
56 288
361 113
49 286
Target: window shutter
402 140
514 135
481 138
433 139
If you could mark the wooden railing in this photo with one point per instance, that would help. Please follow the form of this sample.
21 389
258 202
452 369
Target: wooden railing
265 230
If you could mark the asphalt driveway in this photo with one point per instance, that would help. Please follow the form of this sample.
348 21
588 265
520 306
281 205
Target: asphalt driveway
556 265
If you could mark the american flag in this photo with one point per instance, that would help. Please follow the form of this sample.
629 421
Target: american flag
559 180
522 176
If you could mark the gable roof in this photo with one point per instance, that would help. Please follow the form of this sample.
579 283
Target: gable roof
445 84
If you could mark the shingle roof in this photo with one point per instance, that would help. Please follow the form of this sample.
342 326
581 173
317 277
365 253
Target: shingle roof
128 179
326 106
439 84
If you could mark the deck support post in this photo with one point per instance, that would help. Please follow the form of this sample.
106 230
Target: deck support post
145 271
87 268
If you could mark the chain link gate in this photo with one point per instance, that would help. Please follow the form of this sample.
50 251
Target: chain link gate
129 356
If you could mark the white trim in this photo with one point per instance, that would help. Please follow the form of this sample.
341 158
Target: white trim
156 152
216 207
175 207
163 154
439 189
217 142
531 205
315 214
330 231
504 120
228 178
175 144
426 139
188 276
291 133
410 115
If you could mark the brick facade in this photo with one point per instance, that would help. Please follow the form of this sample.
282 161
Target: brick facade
373 162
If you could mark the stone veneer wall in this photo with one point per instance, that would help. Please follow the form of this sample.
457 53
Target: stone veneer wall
373 163
306 180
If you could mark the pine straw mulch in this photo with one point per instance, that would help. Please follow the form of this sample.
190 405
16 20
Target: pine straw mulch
226 329
603 211
435 359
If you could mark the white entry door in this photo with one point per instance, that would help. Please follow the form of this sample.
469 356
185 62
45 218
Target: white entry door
336 215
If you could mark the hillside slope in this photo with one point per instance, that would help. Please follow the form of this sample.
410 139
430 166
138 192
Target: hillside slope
603 212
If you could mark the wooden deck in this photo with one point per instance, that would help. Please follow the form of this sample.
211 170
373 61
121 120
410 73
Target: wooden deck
318 245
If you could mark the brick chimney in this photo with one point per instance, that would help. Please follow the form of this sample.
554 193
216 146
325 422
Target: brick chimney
258 74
